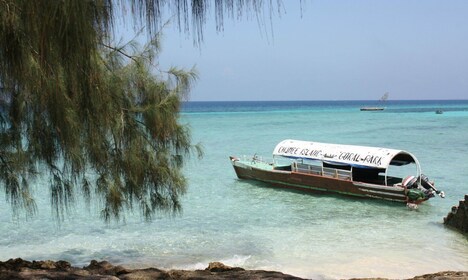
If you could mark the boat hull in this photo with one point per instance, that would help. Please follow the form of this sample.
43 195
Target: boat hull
315 183
372 109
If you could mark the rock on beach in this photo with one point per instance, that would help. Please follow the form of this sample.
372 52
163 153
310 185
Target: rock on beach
457 218
22 269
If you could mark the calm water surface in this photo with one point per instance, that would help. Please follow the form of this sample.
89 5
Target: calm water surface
245 224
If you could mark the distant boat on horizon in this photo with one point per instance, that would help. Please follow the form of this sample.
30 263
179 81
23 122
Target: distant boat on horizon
372 109
384 98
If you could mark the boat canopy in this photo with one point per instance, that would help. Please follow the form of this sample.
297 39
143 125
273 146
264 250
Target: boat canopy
356 156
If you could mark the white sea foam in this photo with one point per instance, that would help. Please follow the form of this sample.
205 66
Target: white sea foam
236 261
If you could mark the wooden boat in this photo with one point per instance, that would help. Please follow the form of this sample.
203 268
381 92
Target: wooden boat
344 169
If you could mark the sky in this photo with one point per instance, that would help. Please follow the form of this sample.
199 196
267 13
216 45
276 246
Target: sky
332 50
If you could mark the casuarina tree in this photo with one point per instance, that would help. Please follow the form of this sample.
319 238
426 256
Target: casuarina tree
94 119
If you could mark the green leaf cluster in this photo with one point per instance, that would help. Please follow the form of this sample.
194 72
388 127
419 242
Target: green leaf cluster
98 119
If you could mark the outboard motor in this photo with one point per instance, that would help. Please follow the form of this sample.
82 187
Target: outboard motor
417 192
428 185
413 194
410 182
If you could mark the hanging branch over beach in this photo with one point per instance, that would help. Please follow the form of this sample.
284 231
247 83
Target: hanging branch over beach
100 120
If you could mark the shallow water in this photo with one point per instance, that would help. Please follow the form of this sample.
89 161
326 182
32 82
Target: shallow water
251 225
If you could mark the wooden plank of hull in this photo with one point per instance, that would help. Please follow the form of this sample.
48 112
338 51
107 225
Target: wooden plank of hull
315 183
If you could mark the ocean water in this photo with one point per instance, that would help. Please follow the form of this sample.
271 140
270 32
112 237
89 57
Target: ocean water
242 223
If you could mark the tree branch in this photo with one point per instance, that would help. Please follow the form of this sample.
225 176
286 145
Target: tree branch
119 50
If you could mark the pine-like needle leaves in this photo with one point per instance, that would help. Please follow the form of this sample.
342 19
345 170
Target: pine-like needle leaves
95 118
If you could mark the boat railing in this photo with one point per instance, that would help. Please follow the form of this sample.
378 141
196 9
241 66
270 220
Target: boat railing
337 173
330 172
344 174
256 159
325 171
253 159
306 168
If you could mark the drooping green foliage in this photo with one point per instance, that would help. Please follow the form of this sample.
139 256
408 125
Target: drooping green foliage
98 119
86 114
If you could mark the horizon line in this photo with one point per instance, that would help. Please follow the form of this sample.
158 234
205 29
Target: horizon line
326 100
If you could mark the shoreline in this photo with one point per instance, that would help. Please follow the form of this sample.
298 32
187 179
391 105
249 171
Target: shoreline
22 269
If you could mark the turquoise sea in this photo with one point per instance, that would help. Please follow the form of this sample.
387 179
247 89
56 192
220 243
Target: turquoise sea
241 223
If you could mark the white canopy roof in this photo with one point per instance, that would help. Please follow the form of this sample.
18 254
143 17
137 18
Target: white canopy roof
372 157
